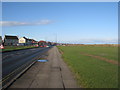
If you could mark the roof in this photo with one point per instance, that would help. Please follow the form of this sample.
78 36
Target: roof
34 40
29 39
11 37
25 38
42 41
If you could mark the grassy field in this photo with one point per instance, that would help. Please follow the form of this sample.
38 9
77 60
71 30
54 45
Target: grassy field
94 66
9 48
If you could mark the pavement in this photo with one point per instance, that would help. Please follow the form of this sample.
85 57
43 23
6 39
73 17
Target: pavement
52 74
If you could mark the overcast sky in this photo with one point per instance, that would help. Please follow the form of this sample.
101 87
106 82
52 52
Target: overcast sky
87 22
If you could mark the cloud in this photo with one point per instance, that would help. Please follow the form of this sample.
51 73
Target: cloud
15 23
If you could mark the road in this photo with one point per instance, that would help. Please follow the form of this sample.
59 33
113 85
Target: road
12 61
52 74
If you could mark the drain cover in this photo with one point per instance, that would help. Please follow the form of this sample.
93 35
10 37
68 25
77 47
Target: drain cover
42 60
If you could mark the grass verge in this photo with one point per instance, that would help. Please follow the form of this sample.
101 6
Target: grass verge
10 48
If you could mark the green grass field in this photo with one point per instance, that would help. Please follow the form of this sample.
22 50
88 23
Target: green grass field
92 72
9 48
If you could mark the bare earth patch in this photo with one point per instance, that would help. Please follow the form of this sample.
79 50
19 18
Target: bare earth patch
102 58
61 52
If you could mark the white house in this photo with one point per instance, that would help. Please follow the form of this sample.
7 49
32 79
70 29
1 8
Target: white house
26 41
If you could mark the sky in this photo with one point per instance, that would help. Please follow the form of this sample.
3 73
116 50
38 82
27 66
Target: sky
64 22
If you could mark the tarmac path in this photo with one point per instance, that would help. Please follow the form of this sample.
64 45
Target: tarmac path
51 74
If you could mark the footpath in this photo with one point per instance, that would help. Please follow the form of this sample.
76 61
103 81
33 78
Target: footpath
52 74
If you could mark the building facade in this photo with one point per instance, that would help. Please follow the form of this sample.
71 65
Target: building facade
10 40
1 40
26 41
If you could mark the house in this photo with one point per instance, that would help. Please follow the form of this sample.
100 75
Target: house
42 43
24 41
0 40
10 40
49 43
1 43
34 42
27 41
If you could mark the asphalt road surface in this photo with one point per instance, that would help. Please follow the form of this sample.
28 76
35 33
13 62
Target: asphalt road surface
51 74
15 59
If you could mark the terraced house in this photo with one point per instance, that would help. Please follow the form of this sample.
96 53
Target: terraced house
10 40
